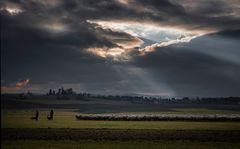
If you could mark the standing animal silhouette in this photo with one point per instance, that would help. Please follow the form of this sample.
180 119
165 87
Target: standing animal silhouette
50 117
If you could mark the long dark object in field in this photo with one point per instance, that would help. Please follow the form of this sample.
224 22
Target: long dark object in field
118 134
160 118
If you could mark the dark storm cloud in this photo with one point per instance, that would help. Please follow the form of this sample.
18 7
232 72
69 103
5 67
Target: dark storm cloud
166 13
192 15
43 56
45 41
229 34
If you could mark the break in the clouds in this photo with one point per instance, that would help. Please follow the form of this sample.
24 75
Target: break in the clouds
153 47
19 86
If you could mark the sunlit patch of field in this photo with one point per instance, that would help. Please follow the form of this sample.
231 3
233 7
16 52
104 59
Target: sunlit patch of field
66 119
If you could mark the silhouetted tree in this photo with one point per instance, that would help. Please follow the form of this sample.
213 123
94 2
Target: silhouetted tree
50 92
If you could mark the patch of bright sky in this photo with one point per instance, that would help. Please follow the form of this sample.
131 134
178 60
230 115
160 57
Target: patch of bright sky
153 36
147 31
12 10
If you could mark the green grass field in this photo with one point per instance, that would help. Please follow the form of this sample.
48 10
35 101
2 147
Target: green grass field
21 119
18 119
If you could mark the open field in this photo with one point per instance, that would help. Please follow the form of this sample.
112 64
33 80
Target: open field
65 131
63 119
21 144
98 106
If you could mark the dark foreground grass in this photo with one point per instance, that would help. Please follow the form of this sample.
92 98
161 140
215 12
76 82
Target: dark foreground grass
181 144
119 134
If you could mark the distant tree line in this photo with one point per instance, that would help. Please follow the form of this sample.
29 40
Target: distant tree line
65 93
61 91
161 100
68 93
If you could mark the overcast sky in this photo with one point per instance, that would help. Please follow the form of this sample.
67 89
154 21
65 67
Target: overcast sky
148 47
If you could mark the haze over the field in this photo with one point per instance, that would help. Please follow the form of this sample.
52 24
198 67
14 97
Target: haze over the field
152 47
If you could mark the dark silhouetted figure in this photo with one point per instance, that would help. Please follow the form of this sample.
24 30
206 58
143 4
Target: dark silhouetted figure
50 117
36 116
